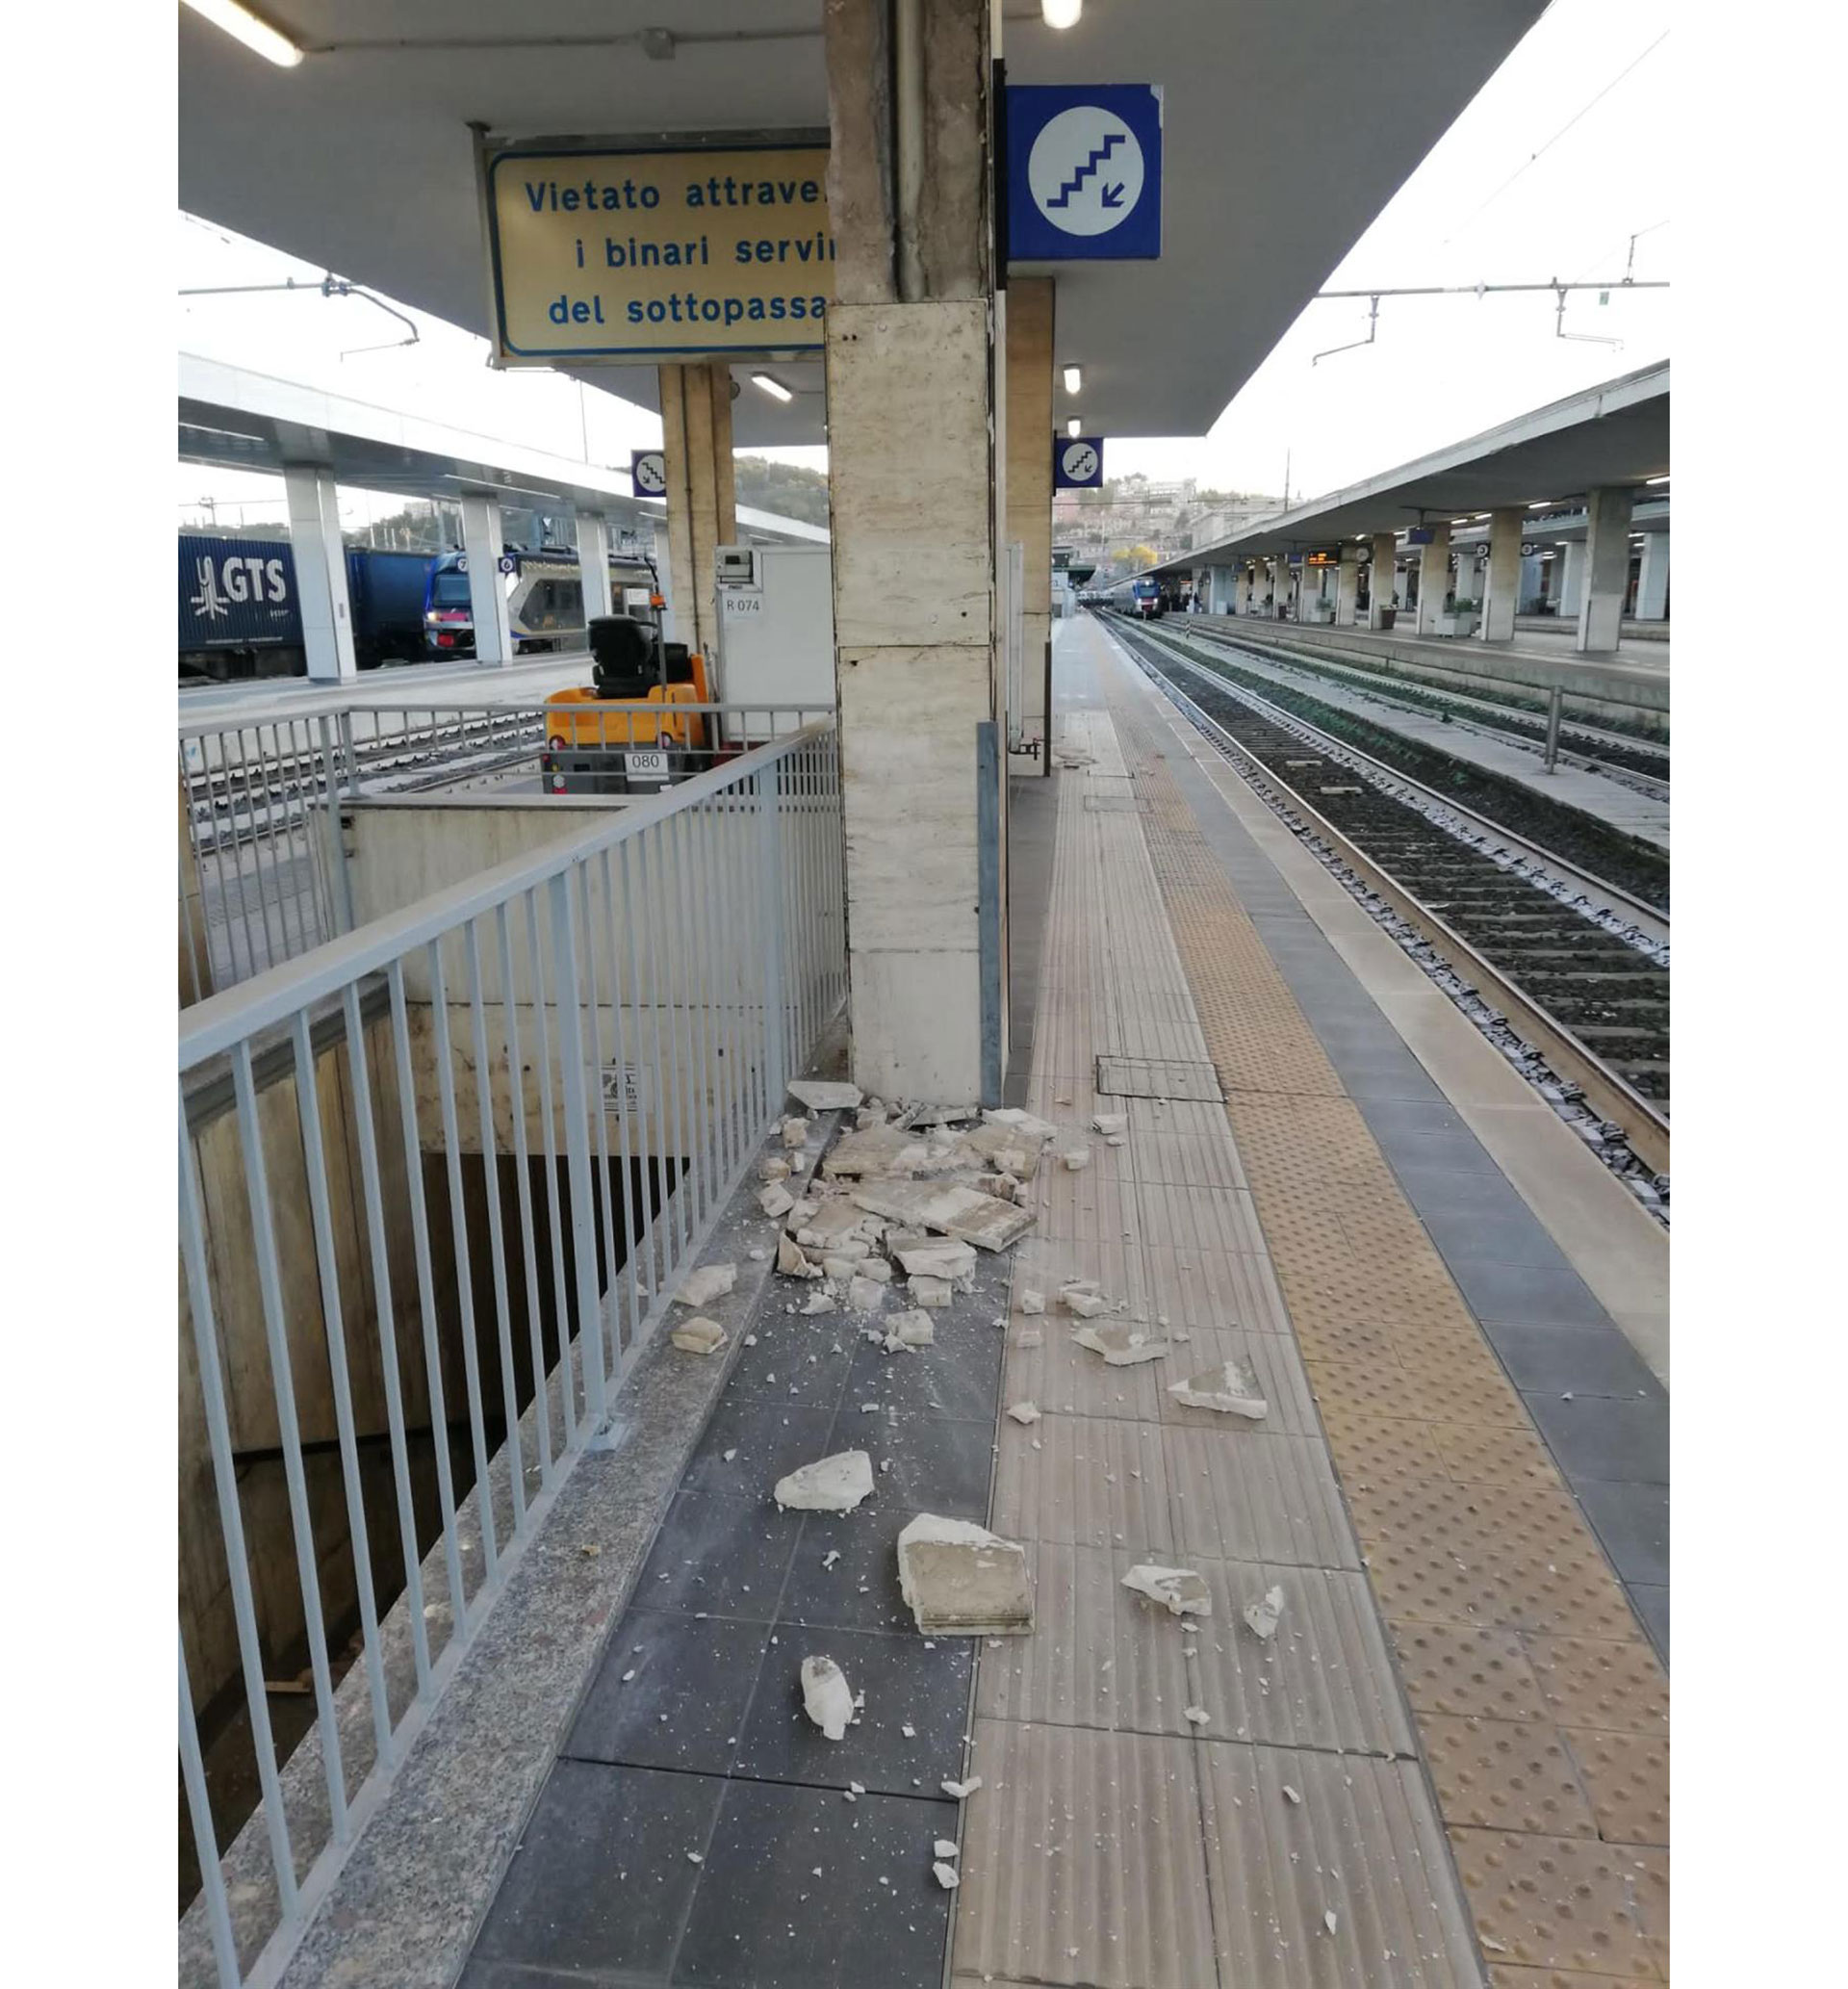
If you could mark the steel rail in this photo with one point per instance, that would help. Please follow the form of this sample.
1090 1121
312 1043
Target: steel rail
1610 1095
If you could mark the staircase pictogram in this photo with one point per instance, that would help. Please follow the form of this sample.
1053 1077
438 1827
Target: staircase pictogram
1096 158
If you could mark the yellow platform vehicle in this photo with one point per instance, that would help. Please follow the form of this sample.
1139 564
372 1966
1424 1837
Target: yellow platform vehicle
636 727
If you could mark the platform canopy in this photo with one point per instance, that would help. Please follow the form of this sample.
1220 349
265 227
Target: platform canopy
1613 434
239 420
1288 126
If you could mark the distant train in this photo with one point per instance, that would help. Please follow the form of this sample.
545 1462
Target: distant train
240 614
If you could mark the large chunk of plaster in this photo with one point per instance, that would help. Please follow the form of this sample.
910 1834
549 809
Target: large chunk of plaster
776 1200
1123 1342
708 1283
829 1484
1178 1589
1017 1121
880 1149
1083 1299
1108 1123
983 1219
795 1132
827 1697
959 1579
942 1257
1232 1388
698 1337
826 1094
934 1292
791 1261
1263 1616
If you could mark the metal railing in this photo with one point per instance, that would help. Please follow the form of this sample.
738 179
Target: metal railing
262 875
438 1180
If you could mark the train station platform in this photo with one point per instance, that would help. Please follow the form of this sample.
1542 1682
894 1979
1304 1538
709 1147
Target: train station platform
402 686
1592 792
1447 1760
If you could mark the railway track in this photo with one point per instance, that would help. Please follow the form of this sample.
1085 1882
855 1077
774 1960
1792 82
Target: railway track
1633 761
1592 999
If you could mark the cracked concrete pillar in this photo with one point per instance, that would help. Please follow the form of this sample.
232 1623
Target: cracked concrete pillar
911 420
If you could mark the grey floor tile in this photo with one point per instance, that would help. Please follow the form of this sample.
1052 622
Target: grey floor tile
921 1464
770 1437
1652 1604
1575 1359
727 1556
871 1918
1632 1522
1386 1077
1394 1117
601 1880
904 1686
1513 1237
957 1377
794 1360
1527 1293
1454 1151
1593 1437
1458 1192
860 1590
673 1692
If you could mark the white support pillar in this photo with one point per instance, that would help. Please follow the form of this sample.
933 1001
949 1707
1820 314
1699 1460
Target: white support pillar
1348 588
320 572
483 541
1281 585
1652 585
1570 563
1600 612
1504 593
1433 578
1382 582
592 565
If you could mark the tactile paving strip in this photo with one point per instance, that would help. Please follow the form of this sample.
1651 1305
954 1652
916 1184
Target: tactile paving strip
1506 1616
1156 1077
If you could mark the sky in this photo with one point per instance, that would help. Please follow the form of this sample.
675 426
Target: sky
1552 169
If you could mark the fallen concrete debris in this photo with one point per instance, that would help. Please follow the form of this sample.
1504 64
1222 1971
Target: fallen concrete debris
1328 1919
795 1132
817 1301
826 1094
1076 1159
1123 1342
1180 1590
937 1256
773 1169
946 1847
878 1270
962 1791
776 1200
1291 1792
1025 1413
1083 1298
829 1224
865 1294
1022 1123
827 1697
947 1875
1198 1714
983 1219
880 1149
1108 1123
700 1336
1008 1148
910 1330
932 1292
959 1579
829 1484
791 1261
1032 1303
708 1283
1263 1616
1232 1388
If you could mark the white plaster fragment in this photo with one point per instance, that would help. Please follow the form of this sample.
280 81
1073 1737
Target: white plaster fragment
831 1484
831 1556
773 1169
1032 1303
1180 1590
817 1301
795 1132
959 1579
1025 1413
1017 1121
708 1283
1083 1298
1291 1792
942 1257
791 1260
825 1696
1108 1123
1123 1342
825 1094
946 1876
865 1294
1263 1616
946 1847
962 1791
700 1336
912 1328
1232 1388
1198 1714
776 1200
936 1293
1076 1159
1328 1920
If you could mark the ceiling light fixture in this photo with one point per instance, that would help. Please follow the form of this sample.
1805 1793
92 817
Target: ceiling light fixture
776 389
242 25
1074 428
1074 380
1663 479
1060 13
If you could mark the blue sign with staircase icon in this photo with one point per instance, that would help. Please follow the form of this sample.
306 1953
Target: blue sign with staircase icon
1083 172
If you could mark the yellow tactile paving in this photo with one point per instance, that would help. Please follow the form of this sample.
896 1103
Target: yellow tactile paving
1542 1710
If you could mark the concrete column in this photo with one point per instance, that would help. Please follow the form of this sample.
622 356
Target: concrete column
592 565
195 955
1570 563
1503 591
1279 585
1600 612
1346 586
1381 583
911 416
484 541
1652 585
320 572
1433 578
1028 429
702 505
